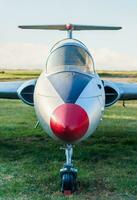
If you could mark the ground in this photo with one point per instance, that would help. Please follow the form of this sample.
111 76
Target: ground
30 160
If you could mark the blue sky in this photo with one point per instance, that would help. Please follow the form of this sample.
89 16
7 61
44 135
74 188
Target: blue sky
27 48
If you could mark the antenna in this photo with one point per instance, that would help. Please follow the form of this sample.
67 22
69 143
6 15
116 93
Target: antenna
70 28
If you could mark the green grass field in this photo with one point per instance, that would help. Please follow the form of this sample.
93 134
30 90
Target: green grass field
30 160
18 74
24 74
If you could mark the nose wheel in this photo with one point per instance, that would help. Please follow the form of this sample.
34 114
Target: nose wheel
68 174
68 180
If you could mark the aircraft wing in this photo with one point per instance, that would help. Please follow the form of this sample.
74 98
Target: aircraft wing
8 90
18 90
128 91
119 91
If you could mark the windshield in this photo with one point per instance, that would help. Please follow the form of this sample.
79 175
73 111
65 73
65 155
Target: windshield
69 58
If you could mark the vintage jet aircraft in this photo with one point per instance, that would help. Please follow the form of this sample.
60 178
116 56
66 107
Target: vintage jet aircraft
69 97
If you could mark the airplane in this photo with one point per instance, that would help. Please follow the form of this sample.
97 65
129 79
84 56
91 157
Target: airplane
69 97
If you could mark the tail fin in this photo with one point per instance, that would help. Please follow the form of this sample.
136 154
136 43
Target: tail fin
70 27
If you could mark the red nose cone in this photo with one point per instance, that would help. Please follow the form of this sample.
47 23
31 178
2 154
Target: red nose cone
69 122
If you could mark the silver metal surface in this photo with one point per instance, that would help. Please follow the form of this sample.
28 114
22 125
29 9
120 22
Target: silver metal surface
69 153
63 27
69 32
126 91
21 93
8 90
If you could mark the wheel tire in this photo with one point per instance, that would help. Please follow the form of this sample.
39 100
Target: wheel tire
68 182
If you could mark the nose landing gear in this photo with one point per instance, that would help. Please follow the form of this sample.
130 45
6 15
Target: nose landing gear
68 173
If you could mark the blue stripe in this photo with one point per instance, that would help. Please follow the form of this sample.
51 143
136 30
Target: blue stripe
69 84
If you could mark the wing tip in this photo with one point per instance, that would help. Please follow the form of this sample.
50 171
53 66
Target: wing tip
21 27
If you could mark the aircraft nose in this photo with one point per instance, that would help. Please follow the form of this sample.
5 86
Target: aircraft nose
69 122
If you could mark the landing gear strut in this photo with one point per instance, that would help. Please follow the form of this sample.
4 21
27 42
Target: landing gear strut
68 173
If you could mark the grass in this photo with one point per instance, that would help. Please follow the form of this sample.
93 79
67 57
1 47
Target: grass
30 160
27 74
18 74
127 74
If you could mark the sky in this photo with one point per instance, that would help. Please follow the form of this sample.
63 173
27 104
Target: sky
28 49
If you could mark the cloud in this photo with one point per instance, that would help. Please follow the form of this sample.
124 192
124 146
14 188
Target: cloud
109 59
33 56
23 56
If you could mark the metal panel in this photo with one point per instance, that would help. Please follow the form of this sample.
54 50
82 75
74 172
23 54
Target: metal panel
26 92
64 27
8 90
69 85
94 110
128 91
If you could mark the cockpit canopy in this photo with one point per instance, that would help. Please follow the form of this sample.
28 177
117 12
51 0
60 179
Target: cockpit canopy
70 57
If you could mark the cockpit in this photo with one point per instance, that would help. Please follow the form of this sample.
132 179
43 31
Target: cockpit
70 57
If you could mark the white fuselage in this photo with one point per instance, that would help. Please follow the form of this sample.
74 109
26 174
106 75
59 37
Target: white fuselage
48 98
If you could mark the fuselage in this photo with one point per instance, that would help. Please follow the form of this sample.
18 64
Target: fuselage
69 96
